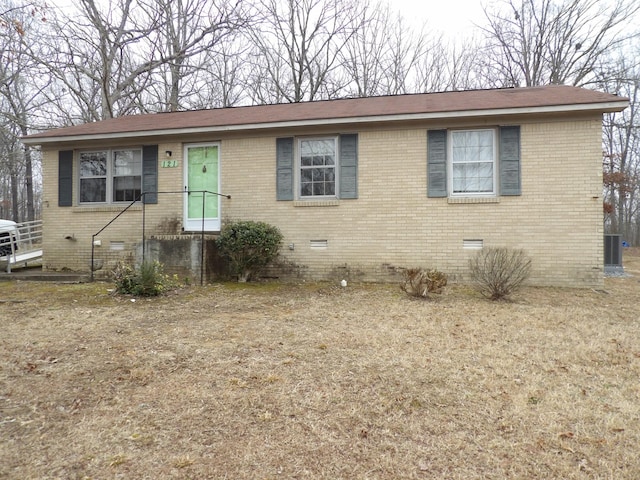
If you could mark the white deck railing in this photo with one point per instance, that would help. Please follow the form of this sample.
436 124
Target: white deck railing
21 244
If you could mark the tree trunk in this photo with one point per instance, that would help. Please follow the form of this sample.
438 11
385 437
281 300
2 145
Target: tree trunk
28 173
15 214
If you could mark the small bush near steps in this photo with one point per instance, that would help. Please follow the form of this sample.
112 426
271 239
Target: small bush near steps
249 246
417 282
148 280
498 272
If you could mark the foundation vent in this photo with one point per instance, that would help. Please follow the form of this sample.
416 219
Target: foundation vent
117 246
318 244
472 244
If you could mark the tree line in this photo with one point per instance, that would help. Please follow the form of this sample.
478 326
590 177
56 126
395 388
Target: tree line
64 64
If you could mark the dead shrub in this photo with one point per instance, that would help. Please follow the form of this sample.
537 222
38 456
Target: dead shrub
497 272
417 282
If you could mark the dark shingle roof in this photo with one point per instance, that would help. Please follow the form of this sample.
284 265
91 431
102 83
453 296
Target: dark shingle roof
431 105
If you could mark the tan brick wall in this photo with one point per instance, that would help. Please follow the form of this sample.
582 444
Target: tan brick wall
557 219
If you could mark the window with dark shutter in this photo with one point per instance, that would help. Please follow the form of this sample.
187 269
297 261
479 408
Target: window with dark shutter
510 160
321 162
65 178
348 166
284 168
470 175
436 163
150 173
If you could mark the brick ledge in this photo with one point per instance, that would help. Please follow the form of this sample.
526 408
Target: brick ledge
473 200
316 203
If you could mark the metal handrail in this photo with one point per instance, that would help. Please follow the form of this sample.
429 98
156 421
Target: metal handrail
30 232
140 199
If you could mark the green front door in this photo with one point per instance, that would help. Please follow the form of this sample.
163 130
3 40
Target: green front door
202 174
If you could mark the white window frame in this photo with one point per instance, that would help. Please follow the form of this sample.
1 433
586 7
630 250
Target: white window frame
450 181
110 175
299 167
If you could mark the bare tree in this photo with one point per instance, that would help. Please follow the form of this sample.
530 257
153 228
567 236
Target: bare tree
101 54
20 99
622 153
296 48
536 42
130 56
188 32
363 56
583 43
269 81
405 48
387 56
447 65
11 170
227 73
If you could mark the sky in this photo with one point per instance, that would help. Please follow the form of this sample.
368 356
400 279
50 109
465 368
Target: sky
453 17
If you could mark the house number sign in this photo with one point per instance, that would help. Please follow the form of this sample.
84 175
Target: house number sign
169 163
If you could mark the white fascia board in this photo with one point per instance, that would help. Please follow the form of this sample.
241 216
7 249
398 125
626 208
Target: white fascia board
598 107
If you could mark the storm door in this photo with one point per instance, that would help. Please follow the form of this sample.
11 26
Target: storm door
202 178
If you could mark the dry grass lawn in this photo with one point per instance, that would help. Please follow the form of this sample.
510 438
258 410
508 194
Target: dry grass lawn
314 381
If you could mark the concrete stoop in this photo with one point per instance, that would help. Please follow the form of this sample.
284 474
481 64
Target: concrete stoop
35 274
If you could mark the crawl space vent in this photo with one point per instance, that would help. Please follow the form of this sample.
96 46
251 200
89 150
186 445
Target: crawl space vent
318 244
472 244
118 246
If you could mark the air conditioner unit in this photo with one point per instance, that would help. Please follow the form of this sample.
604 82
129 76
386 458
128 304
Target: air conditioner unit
613 253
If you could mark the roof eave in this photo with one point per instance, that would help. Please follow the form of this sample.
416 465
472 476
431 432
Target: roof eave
604 107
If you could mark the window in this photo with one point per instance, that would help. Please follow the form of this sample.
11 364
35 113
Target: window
93 177
110 176
483 162
127 175
317 167
472 166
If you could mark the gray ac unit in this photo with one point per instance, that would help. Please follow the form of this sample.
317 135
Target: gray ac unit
613 253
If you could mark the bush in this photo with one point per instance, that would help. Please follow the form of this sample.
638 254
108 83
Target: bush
148 280
498 272
417 282
249 246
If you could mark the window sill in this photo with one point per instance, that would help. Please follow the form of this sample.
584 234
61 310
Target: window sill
105 208
473 200
316 203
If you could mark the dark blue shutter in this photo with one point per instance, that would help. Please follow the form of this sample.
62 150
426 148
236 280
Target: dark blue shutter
510 160
65 178
437 163
284 168
150 173
348 166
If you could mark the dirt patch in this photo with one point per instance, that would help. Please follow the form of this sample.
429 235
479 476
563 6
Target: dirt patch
317 381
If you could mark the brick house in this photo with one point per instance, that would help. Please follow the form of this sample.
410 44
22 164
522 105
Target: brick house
360 188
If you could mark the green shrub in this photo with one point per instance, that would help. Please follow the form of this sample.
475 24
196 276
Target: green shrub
148 280
417 282
249 246
498 272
